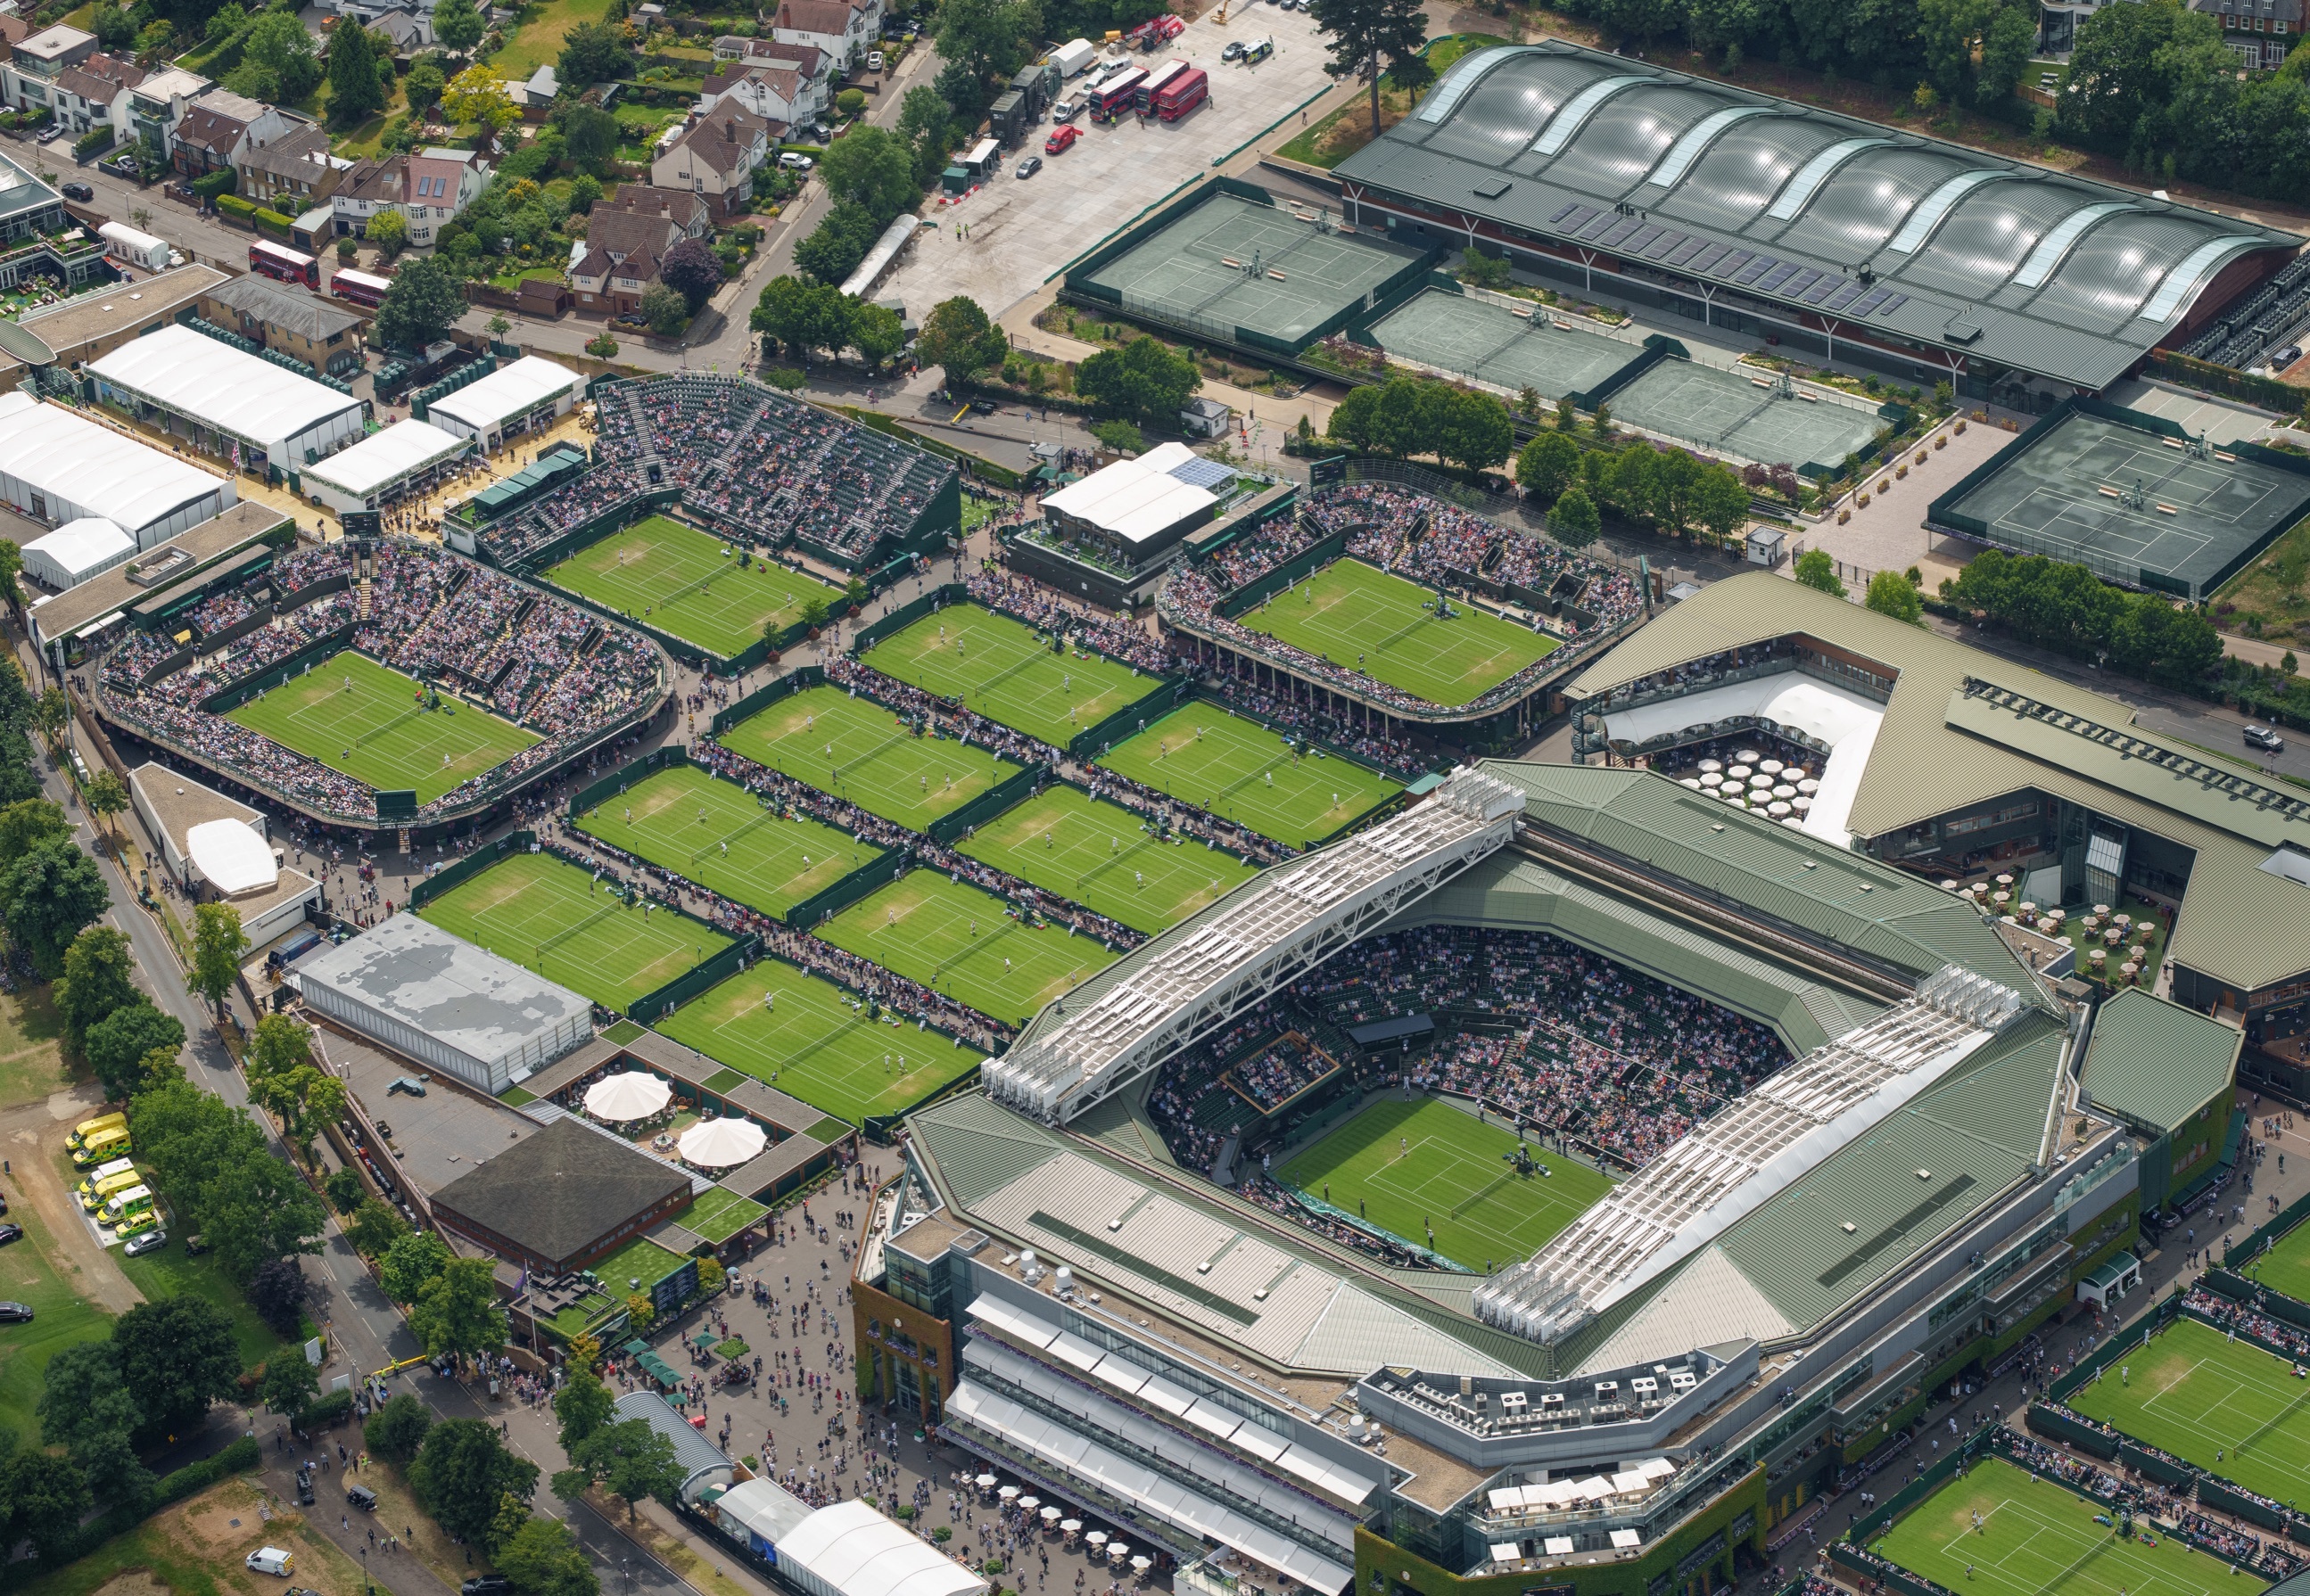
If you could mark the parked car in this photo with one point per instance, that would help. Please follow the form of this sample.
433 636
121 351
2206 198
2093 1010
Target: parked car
2265 739
125 166
79 191
794 162
1233 51
363 1497
51 133
1066 111
2286 357
272 1559
195 1245
873 63
1062 138
485 1585
406 1083
9 1233
1030 166
304 1488
15 1312
151 1241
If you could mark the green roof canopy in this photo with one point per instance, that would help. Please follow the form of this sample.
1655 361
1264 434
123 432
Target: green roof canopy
2155 1064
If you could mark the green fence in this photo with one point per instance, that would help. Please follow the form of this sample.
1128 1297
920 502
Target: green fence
907 613
470 866
762 697
592 530
1257 591
624 776
2057 1426
2223 1498
988 804
715 970
1127 721
866 879
2165 1470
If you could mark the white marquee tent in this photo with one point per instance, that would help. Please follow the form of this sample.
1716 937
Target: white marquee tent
212 386
57 465
75 552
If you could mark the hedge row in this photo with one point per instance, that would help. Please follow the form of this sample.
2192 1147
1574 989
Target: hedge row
240 1457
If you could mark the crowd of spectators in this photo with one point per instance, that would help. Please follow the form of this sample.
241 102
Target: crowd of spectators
1281 1071
1265 1191
2110 1485
2274 1333
1042 608
534 659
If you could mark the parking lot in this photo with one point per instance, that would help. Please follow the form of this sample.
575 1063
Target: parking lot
1022 231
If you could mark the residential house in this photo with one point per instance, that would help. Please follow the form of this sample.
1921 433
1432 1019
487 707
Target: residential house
28 77
157 106
840 30
2259 31
292 173
95 94
690 212
325 334
371 13
813 68
219 126
619 258
716 156
428 187
770 92
410 30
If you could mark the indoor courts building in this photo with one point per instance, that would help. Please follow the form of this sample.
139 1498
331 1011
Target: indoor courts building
514 399
1642 1404
1868 243
228 403
58 466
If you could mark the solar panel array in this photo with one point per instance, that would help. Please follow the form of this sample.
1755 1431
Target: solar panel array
1635 239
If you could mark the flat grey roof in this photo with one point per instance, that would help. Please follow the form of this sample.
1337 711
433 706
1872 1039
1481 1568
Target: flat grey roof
444 986
241 524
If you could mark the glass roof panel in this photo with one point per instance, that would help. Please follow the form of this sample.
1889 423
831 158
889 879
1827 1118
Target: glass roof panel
1937 204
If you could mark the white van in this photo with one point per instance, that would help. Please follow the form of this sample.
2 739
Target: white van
272 1559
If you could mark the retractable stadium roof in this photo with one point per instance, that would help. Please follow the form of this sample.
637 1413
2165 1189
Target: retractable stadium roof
1905 239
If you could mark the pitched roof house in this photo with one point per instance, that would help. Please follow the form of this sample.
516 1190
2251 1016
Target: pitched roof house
716 156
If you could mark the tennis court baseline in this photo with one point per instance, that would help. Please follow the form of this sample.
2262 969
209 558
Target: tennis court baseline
1241 770
999 667
813 1040
1424 1165
2035 1539
684 581
856 748
1101 855
2226 1406
548 916
1362 618
961 941
365 720
719 835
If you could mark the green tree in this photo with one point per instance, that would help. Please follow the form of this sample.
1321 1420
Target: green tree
986 39
288 1384
280 1293
86 1409
457 1312
602 347
254 1209
1643 20
594 53
1547 465
355 95
277 44
458 24
583 1405
925 122
693 270
47 895
872 168
876 333
957 338
396 1432
176 1356
28 821
478 95
1470 429
1368 38
463 1472
1817 570
665 311
423 88
1143 381
424 302
343 1190
1891 593
389 231
51 713
630 1459
375 1227
411 1263
1123 437
838 244
1575 521
590 135
219 945
1720 503
543 1558
106 796
43 1498
1355 421
118 1044
96 981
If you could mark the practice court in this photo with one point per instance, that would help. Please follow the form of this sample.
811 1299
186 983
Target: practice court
1241 265
1491 344
2130 504
1726 412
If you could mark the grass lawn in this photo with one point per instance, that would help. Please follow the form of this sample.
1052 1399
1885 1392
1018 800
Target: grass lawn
546 914
2194 1392
688 585
168 1272
720 1214
959 941
2037 1539
1100 855
996 667
34 1271
32 1065
641 1259
792 1031
1411 1166
538 40
718 834
1362 618
356 716
856 748
196 1546
1239 769
2285 1269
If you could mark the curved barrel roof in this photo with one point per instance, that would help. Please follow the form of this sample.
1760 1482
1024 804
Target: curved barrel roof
1907 237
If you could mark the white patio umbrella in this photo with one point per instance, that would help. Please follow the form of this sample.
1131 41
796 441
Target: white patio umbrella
724 1143
1141 1564
984 1482
1692 782
634 1095
1712 766
1096 1538
1050 1515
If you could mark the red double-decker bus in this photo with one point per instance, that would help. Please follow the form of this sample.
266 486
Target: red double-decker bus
1157 79
288 264
1116 97
1183 94
358 288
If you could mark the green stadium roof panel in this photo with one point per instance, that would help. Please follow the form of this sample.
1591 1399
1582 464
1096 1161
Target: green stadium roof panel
2154 1065
1915 241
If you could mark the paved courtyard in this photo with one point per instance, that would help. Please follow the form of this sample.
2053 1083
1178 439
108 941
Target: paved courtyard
1022 231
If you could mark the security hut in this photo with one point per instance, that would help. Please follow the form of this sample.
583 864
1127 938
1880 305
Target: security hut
848 1548
77 550
522 397
439 1000
217 850
404 457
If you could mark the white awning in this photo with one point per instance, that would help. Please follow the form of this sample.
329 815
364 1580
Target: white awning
1014 1322
232 856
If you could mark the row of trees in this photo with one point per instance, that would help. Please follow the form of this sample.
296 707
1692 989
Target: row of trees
224 1182
1407 416
1667 489
802 317
478 1490
2068 609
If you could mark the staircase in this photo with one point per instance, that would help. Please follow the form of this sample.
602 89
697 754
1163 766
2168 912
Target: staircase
362 600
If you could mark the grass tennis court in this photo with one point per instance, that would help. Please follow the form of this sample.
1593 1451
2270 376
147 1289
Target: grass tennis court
2035 1539
717 834
1240 770
959 940
720 1213
2195 1393
856 748
1407 1166
359 719
1497 347
1363 617
546 914
678 579
1726 411
994 665
811 1043
2285 1269
1101 856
